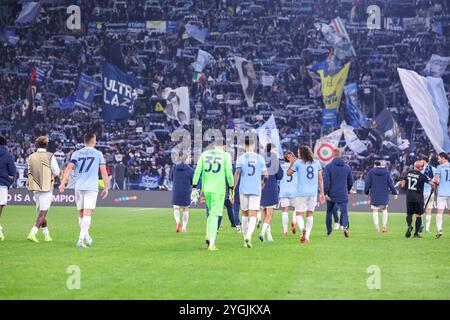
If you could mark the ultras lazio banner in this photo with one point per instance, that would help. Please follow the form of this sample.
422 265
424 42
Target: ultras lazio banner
120 91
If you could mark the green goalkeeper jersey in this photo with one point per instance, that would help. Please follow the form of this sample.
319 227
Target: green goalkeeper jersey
214 166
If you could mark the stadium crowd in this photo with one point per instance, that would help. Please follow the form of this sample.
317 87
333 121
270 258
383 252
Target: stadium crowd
279 38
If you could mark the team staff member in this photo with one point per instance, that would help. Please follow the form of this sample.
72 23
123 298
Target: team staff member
377 186
42 170
338 182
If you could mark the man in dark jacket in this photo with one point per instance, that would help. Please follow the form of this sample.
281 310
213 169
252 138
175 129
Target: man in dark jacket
377 186
338 181
181 175
7 173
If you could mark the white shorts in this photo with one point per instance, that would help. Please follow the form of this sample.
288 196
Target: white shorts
442 203
431 202
179 207
250 202
86 199
43 200
381 206
3 196
274 206
289 203
306 204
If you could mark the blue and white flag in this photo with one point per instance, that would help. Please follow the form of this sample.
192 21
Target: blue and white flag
429 102
436 66
353 115
268 133
66 103
87 87
197 33
120 91
29 13
43 72
329 118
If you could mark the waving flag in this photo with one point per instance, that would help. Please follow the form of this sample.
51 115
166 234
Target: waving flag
324 147
87 87
203 58
120 91
247 77
30 11
268 133
333 86
354 115
429 102
177 104
197 33
436 66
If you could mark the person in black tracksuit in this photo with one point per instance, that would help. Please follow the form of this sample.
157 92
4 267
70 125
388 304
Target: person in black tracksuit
413 183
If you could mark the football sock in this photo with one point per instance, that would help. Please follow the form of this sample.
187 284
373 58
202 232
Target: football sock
212 223
251 228
294 217
264 228
418 224
300 222
176 215
185 218
258 215
384 217
85 224
80 220
1 228
34 230
45 231
309 224
375 218
285 220
439 217
409 220
244 226
427 222
269 232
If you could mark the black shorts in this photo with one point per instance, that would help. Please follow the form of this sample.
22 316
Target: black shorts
414 208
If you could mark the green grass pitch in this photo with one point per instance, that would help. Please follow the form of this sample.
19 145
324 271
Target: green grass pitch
138 255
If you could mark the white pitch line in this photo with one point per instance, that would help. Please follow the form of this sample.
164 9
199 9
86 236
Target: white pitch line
142 209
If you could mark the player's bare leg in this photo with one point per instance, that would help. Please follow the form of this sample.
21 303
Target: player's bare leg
285 220
2 236
185 219
40 220
375 219
309 224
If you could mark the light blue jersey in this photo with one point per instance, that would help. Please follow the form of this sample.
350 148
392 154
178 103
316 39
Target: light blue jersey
288 185
307 177
252 166
426 171
87 162
443 170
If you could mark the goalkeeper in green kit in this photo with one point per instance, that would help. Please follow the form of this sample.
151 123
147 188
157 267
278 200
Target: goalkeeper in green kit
215 169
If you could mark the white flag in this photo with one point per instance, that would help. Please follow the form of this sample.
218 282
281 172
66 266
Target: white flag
436 66
428 100
268 133
203 58
324 147
352 140
177 107
247 77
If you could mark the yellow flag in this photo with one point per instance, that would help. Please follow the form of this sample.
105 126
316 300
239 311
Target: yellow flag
333 86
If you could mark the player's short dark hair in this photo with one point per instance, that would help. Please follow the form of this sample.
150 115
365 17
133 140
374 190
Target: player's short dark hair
377 163
3 141
269 147
443 155
425 158
88 137
247 141
41 142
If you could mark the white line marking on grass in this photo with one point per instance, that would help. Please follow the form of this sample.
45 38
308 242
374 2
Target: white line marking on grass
142 209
